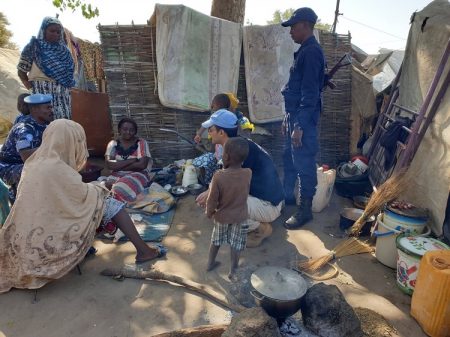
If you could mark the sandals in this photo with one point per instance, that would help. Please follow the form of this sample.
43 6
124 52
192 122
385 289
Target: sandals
162 251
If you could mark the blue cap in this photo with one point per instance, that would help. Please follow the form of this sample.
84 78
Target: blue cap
301 14
38 99
222 118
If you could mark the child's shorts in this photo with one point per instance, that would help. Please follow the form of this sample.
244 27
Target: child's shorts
233 234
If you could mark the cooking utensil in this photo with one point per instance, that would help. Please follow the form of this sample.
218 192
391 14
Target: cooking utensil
196 189
349 215
186 139
360 201
179 190
278 290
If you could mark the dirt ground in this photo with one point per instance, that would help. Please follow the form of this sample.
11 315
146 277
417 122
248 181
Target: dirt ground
94 305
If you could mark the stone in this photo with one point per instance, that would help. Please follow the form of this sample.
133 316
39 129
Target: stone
326 312
253 322
240 286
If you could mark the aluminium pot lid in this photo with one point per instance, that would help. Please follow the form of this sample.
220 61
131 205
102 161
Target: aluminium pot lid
278 283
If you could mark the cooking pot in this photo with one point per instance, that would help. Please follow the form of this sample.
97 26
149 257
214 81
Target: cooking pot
278 291
348 217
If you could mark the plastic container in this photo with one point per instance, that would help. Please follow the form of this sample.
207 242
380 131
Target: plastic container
351 186
431 297
189 175
409 221
325 183
386 248
410 251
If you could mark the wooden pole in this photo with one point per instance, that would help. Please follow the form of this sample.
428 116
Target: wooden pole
336 14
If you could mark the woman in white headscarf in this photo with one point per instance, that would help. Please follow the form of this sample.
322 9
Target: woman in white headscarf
53 221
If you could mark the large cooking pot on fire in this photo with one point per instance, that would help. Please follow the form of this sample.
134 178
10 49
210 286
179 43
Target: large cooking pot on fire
278 291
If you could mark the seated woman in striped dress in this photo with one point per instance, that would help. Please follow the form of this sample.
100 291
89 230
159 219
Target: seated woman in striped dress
130 161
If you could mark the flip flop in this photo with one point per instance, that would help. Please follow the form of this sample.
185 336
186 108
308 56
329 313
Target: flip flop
162 251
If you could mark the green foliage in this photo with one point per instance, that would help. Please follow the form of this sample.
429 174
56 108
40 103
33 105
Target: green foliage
87 10
280 16
5 34
322 26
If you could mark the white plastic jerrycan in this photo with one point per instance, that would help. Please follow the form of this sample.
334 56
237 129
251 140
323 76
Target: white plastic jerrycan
325 183
190 174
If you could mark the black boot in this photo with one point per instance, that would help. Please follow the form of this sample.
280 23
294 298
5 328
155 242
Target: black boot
302 216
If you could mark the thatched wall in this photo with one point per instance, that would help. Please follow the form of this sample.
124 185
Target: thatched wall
130 69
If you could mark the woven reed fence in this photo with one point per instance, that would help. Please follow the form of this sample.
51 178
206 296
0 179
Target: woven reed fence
130 68
334 128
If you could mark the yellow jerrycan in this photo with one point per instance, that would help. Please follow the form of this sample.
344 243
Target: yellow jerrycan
430 304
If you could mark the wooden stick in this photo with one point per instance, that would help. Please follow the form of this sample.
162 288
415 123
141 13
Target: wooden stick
201 331
156 275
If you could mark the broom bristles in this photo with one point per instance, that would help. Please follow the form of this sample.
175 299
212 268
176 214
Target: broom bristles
347 247
388 191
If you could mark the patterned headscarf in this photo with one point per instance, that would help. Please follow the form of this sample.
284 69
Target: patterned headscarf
53 59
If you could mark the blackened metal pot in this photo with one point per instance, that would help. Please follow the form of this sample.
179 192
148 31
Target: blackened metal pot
278 291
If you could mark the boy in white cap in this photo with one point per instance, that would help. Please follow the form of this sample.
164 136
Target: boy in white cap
23 139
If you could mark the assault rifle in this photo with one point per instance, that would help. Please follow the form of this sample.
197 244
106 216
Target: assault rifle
343 62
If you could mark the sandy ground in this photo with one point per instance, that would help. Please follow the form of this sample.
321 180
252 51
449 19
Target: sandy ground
94 305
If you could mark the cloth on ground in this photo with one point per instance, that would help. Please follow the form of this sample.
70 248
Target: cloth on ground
154 199
65 212
151 227
183 37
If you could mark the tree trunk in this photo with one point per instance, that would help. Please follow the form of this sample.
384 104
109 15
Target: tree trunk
231 10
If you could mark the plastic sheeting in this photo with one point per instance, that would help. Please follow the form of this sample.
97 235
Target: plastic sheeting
430 31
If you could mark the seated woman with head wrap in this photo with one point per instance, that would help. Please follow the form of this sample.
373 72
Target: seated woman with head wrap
53 221
46 66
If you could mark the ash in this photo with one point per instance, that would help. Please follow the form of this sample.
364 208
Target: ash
292 328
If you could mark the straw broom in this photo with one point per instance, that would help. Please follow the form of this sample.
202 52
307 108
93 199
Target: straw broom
387 192
350 246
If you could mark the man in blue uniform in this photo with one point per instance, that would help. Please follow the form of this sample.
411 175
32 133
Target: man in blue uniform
303 103
24 138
